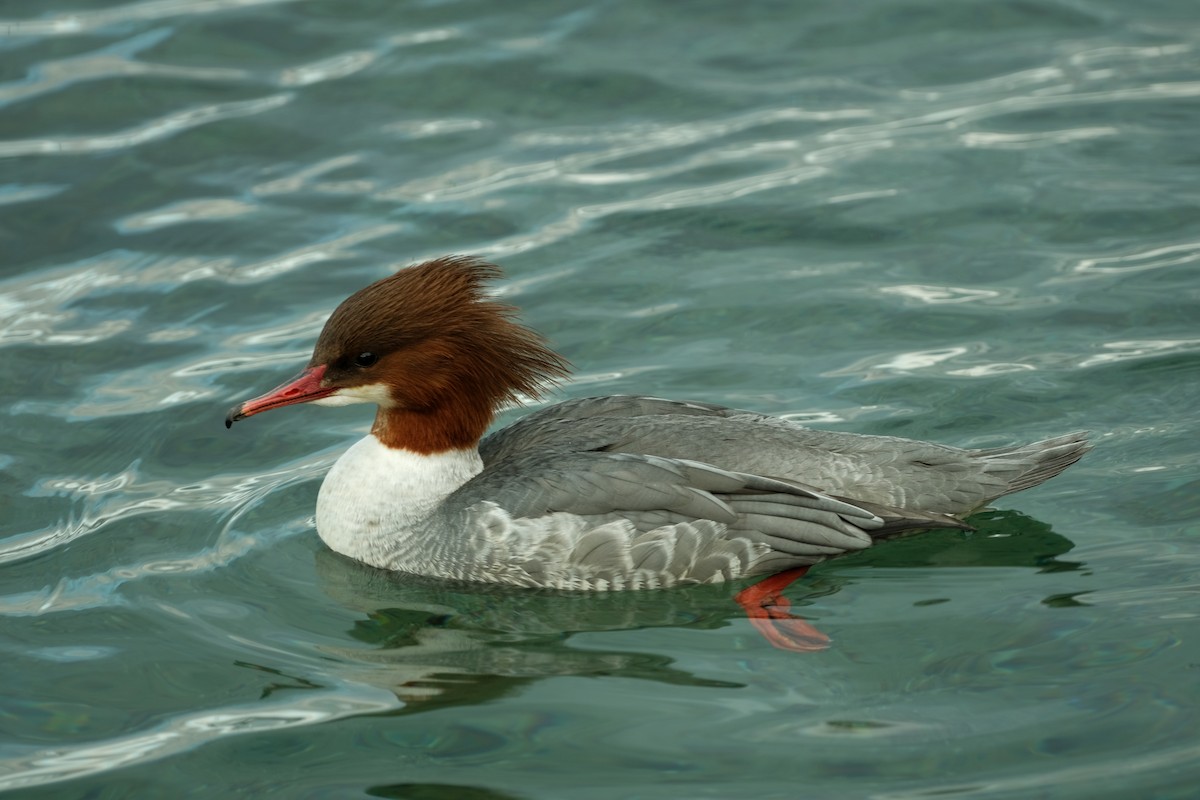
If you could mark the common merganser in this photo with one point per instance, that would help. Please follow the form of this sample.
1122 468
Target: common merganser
599 493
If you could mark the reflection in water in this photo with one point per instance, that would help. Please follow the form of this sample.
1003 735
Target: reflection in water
450 644
437 644
1001 539
438 791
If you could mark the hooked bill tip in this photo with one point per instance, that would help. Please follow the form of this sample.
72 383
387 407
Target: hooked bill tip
233 416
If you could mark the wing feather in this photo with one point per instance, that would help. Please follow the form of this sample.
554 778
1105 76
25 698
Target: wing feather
667 516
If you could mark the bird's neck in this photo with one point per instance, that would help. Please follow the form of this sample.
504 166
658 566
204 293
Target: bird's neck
456 422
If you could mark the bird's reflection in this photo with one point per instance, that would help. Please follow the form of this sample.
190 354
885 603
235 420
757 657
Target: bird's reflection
437 643
447 643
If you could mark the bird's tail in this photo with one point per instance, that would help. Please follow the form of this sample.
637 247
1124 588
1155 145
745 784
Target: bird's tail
1027 465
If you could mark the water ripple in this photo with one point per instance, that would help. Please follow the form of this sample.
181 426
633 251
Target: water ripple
1152 258
113 61
187 731
327 69
184 211
1139 349
1018 141
11 194
75 23
968 230
153 130
1094 776
100 502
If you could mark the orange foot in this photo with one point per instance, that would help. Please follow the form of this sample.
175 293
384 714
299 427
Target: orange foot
769 613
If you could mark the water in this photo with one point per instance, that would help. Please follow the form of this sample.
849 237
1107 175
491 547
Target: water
973 222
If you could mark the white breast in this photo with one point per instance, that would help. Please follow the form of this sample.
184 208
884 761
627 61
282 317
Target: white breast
374 495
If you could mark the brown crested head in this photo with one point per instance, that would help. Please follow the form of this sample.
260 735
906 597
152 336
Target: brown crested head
433 349
448 353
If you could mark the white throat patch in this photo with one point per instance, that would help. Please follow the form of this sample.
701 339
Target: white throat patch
367 393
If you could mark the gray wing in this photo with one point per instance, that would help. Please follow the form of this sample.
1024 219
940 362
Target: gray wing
555 428
650 492
888 471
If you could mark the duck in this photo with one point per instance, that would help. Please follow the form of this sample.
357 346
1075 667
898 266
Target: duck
607 493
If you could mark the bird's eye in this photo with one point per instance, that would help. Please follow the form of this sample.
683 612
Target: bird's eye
365 359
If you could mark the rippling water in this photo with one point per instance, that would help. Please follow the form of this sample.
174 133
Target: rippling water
975 222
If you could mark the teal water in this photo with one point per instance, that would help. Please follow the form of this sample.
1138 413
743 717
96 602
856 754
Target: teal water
973 222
